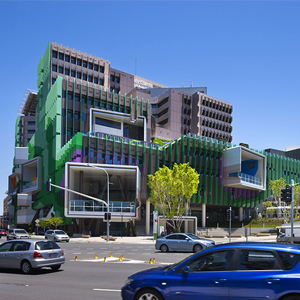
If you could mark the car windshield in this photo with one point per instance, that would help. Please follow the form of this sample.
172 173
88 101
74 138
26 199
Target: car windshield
20 231
168 268
194 237
59 232
46 245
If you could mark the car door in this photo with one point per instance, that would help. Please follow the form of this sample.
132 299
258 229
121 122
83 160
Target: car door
4 250
172 242
206 277
17 253
184 243
49 235
258 276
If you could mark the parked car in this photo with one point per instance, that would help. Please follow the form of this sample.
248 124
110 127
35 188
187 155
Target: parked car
56 235
3 232
242 271
28 255
182 242
17 233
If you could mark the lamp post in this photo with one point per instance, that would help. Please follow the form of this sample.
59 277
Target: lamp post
107 230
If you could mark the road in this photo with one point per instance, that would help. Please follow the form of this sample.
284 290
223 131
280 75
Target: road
87 278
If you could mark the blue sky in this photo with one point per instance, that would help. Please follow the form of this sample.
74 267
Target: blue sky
245 52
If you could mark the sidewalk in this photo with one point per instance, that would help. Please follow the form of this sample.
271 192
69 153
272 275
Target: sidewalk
150 241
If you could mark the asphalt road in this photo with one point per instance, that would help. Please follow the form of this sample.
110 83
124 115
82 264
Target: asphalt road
87 278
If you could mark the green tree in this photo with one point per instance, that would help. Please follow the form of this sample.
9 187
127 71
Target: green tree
171 191
276 185
265 205
44 224
56 221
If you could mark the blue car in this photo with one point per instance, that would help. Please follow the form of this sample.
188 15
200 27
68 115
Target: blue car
236 271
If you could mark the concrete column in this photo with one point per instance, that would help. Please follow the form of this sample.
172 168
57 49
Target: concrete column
186 226
241 210
147 213
203 215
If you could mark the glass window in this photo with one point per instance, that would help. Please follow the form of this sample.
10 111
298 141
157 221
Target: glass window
63 112
101 69
108 123
112 78
83 117
70 96
30 131
83 99
79 62
46 245
73 60
84 76
91 66
101 81
79 75
216 261
97 103
258 260
61 56
69 132
111 89
96 80
70 113
31 123
60 70
67 72
77 115
289 260
21 246
117 79
67 58
53 80
77 97
54 54
91 100
5 247
54 68
84 63
90 78
73 73
96 68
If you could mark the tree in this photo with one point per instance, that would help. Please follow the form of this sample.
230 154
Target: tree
55 221
265 205
276 185
44 224
171 191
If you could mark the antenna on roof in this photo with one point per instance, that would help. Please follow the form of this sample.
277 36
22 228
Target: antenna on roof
181 83
192 84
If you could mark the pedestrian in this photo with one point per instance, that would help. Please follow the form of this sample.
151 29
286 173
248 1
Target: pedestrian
166 232
162 234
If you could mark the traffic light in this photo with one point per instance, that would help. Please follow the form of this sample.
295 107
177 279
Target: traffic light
286 194
107 216
48 186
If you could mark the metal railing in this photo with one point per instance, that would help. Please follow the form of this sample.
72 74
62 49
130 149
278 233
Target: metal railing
249 178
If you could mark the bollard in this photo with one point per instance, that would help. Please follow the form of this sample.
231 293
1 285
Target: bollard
154 260
96 257
122 257
111 255
104 259
75 257
150 261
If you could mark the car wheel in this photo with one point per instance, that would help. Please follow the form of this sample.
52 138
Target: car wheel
26 267
55 268
67 241
55 240
291 297
197 248
149 294
164 248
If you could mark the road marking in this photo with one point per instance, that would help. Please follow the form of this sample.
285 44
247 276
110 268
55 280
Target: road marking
77 253
107 290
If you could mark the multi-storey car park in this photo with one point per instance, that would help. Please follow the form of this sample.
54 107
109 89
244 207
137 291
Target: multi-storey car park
88 121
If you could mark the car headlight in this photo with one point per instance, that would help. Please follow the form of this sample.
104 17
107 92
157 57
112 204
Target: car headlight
128 281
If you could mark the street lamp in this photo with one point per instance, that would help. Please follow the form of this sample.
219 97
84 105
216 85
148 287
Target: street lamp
107 230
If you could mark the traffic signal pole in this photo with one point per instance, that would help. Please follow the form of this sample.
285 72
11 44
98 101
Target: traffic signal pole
292 208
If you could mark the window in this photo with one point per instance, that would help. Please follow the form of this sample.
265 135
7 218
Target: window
101 69
83 99
63 112
289 260
97 103
95 80
53 80
61 56
70 113
108 123
73 60
21 246
77 97
54 54
96 68
216 261
117 80
91 100
31 123
112 78
90 66
258 260
69 132
101 81
84 63
83 117
73 73
84 77
79 75
78 62
67 72
67 58
30 131
161 103
54 68
6 247
76 115
60 70
252 165
90 78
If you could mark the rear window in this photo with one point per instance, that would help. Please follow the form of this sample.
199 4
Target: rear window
289 260
60 232
47 245
20 231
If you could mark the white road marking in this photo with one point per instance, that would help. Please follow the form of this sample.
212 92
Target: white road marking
107 290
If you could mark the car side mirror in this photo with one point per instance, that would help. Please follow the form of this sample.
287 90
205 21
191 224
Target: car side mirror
186 269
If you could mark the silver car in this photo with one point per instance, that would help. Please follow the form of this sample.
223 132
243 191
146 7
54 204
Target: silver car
56 235
182 242
28 255
17 233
